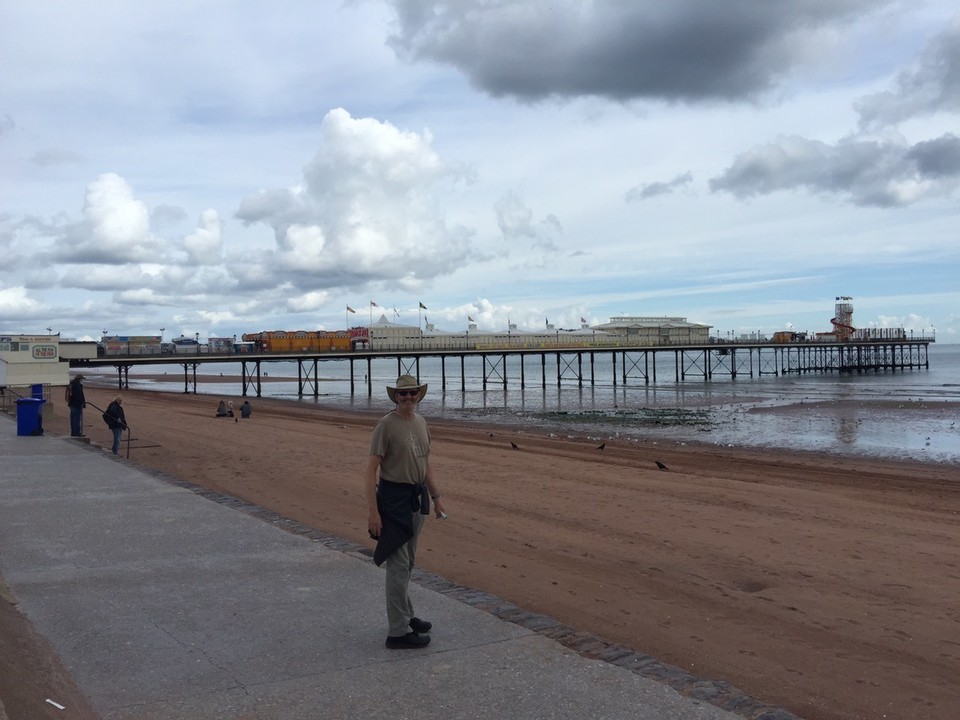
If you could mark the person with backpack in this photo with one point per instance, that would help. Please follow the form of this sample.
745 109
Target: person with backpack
115 420
76 402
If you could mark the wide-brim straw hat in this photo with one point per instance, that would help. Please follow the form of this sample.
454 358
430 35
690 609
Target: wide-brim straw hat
406 382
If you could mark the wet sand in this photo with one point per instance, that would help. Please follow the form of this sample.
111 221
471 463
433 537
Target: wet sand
823 584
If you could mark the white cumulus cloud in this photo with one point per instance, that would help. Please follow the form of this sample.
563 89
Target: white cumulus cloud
368 209
205 244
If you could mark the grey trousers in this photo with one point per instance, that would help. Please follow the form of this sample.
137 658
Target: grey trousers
399 566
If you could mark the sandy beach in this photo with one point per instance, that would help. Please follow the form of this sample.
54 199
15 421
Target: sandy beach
822 584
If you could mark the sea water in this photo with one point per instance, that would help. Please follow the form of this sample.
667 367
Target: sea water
903 414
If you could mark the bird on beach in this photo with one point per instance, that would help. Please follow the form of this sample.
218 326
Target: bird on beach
514 445
601 446
660 465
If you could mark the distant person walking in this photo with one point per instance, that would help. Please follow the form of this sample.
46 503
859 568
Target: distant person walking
399 487
116 421
76 402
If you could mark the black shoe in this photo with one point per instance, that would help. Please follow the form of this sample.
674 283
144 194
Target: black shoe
410 641
420 626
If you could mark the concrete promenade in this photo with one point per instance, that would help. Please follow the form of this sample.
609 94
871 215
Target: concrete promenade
168 602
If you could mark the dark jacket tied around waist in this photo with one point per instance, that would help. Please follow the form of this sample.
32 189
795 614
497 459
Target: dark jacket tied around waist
397 502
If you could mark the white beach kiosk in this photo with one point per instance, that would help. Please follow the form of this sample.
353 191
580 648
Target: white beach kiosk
29 366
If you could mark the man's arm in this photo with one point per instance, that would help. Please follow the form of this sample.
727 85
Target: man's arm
370 486
434 491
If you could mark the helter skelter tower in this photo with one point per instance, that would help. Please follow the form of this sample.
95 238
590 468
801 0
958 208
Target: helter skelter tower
843 318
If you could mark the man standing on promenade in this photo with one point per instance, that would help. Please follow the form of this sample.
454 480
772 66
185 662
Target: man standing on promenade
399 487
76 402
117 422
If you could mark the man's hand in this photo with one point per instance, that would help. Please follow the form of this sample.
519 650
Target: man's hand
373 525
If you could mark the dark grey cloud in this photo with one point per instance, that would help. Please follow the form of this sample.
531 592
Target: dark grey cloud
887 173
650 190
930 85
682 50
938 158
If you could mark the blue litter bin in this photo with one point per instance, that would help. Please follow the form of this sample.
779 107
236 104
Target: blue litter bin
29 416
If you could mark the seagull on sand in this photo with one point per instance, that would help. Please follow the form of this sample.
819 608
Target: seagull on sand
601 446
514 445
660 465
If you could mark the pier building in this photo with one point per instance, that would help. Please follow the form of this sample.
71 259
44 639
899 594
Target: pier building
622 331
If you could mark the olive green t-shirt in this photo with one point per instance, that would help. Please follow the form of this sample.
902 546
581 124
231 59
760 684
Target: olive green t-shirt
403 446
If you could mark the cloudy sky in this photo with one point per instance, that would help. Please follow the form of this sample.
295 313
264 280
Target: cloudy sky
227 167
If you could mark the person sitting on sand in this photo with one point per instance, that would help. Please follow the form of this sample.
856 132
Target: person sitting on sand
246 409
222 409
230 409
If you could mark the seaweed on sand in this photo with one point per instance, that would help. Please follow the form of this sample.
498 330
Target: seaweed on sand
643 417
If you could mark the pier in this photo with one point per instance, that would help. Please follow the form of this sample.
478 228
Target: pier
506 366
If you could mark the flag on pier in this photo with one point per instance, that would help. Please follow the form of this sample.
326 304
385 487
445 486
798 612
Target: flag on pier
350 309
422 306
582 319
470 319
373 304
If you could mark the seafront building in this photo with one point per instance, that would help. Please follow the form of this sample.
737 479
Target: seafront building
36 359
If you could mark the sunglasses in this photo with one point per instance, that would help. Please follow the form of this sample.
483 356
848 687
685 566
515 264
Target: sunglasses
408 393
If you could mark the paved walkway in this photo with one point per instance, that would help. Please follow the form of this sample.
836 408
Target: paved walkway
169 602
